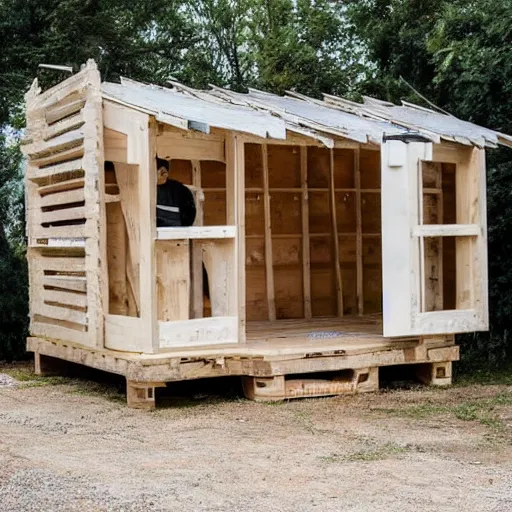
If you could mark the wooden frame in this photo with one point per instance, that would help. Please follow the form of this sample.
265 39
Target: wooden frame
293 278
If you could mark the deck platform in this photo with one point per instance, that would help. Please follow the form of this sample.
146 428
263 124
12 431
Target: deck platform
284 359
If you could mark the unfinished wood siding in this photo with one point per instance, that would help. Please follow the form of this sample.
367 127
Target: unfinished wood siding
322 235
65 211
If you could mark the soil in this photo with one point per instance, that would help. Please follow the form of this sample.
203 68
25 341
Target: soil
73 445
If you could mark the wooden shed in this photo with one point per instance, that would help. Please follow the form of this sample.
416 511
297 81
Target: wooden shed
331 238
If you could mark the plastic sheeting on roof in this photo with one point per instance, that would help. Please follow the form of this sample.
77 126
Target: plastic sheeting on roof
268 115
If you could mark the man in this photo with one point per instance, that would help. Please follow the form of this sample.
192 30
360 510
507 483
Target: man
174 201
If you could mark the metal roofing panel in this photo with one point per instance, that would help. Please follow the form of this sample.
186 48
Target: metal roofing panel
163 102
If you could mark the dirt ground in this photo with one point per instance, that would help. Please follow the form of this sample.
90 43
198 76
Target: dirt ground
69 444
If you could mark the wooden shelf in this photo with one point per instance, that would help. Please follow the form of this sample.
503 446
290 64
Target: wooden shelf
195 232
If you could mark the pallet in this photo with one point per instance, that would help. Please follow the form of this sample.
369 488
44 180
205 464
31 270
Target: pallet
267 376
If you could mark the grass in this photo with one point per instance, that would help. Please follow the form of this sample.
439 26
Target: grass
483 410
30 380
501 376
379 453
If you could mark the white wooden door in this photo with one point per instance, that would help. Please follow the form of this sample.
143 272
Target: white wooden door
434 272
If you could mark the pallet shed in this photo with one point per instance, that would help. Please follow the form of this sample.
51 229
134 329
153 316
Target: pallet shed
335 237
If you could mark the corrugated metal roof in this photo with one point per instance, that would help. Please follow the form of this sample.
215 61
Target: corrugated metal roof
268 115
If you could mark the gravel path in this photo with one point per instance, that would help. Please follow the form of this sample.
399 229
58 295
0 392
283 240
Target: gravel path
65 448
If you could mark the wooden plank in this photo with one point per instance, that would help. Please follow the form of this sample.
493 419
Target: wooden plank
68 124
176 148
115 145
61 186
40 232
73 153
58 332
359 235
196 232
337 269
196 264
78 284
116 260
306 257
38 174
60 313
60 264
198 332
269 267
128 182
461 230
173 280
64 197
64 297
63 110
238 193
123 333
219 262
64 214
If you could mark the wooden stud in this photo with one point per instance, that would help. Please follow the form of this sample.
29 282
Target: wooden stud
339 285
269 268
196 263
306 257
359 235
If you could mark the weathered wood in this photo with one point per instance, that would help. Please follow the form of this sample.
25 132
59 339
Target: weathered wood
306 258
269 266
173 280
196 263
196 232
359 234
336 241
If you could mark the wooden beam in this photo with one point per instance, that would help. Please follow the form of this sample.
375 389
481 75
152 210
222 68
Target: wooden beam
306 264
269 268
359 235
339 285
196 262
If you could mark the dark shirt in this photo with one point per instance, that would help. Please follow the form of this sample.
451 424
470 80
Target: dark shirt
175 205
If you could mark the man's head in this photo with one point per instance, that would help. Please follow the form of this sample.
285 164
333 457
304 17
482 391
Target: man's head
162 169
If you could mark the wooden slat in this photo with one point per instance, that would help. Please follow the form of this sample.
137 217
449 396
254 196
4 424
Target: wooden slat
339 286
197 295
63 185
63 110
306 265
45 330
196 232
64 197
463 230
202 331
40 232
68 124
68 298
60 264
65 141
73 153
65 214
359 235
269 267
173 280
65 314
78 284
35 173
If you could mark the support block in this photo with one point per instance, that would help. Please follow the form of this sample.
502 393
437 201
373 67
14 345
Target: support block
47 366
435 374
141 395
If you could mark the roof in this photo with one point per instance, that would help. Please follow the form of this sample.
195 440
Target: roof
270 116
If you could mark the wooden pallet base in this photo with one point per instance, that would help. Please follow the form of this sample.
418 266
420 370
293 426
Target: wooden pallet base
266 376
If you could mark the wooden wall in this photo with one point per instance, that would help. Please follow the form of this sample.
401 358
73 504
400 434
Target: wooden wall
312 232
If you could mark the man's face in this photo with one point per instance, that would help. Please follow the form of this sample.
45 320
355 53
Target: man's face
163 173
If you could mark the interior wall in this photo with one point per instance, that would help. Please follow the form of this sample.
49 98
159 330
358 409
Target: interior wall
326 203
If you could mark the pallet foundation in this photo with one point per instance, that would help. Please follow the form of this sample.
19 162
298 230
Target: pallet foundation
270 376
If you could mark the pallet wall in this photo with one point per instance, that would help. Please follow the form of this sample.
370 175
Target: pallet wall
313 232
63 147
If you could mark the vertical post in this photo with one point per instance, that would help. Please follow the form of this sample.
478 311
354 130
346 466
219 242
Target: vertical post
359 235
147 217
339 288
196 303
235 209
269 268
94 195
306 265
